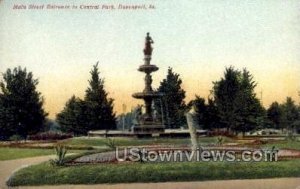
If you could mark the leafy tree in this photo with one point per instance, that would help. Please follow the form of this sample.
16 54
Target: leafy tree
238 107
21 105
173 105
100 107
274 114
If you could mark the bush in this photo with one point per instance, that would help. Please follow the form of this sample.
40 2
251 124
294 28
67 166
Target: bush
50 136
60 151
220 141
15 138
111 143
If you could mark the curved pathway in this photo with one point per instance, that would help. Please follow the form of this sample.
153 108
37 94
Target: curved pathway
7 167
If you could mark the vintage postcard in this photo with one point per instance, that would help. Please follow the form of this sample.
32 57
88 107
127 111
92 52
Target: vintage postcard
150 94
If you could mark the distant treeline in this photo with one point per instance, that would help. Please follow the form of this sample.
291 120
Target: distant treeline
232 105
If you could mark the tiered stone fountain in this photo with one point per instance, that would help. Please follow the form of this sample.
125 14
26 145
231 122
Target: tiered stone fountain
146 123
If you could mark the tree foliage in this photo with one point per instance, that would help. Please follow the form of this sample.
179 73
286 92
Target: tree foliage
73 117
200 110
173 105
238 107
290 113
100 107
285 115
206 113
21 105
274 114
95 112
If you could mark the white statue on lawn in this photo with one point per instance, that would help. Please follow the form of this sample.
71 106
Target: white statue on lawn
192 125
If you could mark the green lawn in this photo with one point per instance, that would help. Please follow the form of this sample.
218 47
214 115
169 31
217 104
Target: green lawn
44 173
7 153
136 142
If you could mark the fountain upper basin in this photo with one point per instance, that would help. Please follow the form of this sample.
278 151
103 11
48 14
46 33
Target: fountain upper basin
142 95
148 68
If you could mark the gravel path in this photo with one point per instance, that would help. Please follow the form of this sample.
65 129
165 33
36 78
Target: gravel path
99 157
9 166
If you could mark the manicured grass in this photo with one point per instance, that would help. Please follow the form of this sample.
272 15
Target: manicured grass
44 173
136 142
7 153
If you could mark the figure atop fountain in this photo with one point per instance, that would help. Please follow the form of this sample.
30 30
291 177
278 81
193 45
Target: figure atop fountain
148 122
148 48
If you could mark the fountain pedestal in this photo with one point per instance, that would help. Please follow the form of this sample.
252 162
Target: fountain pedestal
146 123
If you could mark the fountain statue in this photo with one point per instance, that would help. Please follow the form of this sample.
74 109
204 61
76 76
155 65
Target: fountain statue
148 123
148 48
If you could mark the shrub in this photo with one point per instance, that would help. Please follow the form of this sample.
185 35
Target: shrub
220 141
60 151
111 143
50 136
15 138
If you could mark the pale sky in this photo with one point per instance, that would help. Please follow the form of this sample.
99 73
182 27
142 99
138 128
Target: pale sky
197 38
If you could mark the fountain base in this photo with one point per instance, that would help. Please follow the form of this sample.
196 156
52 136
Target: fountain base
148 128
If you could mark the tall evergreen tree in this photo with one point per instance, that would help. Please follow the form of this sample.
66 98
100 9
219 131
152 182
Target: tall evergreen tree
225 94
274 114
21 105
173 105
100 107
95 112
290 113
73 118
238 107
252 113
